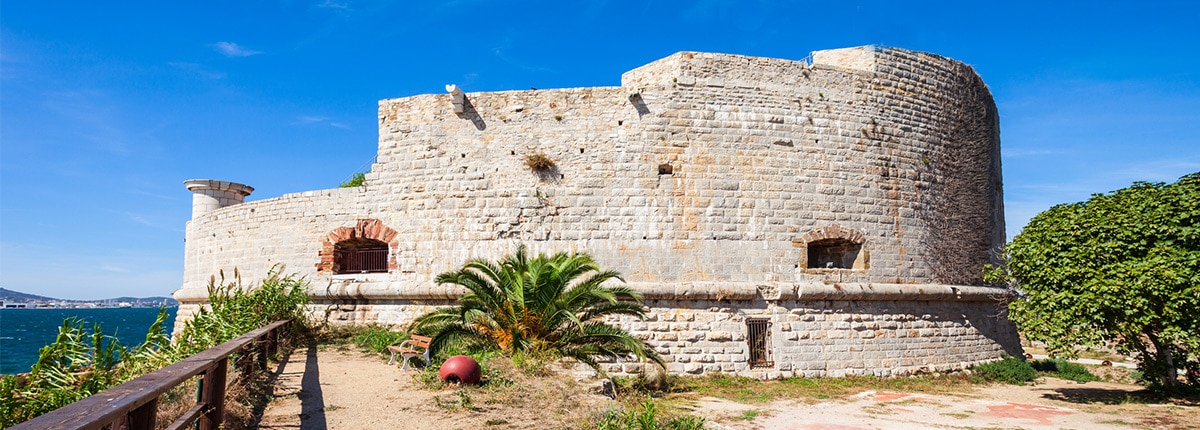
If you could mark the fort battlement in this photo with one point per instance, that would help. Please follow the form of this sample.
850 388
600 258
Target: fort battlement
845 205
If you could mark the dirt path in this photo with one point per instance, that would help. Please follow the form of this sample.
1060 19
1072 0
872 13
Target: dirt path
330 389
320 389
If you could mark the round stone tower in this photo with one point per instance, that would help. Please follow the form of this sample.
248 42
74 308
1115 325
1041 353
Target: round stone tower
211 194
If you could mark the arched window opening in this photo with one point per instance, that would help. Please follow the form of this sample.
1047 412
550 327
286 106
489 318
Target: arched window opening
359 255
836 253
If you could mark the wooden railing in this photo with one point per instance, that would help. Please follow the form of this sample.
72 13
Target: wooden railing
134 404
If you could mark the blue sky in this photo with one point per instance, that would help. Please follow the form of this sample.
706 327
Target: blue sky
106 109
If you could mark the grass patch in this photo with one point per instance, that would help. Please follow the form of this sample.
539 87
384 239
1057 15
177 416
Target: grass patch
459 401
645 416
749 415
753 391
374 338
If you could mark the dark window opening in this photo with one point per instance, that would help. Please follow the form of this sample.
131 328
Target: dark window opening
759 339
832 254
361 256
665 169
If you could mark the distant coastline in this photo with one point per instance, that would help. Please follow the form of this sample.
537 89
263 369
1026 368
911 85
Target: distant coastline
10 299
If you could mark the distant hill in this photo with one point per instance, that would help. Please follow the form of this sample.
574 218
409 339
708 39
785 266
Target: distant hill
17 296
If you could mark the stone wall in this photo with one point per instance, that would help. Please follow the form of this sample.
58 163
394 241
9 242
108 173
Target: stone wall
701 173
825 338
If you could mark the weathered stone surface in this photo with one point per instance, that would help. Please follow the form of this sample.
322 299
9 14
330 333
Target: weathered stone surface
705 179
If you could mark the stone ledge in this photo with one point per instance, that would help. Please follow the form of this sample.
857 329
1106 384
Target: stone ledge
364 289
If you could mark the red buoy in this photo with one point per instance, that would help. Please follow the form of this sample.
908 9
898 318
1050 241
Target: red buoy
460 369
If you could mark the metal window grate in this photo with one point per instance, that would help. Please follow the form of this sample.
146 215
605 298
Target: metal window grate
759 339
364 261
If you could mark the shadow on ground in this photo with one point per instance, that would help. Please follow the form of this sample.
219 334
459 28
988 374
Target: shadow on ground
312 401
1112 396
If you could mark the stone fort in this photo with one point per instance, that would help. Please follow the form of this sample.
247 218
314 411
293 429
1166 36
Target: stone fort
822 217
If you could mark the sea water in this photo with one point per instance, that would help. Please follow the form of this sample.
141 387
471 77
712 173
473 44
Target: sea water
23 332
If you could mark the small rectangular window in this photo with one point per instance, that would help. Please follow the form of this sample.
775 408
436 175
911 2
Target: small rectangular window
758 338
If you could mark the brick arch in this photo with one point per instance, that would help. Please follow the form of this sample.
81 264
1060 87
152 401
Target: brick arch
843 246
834 231
364 229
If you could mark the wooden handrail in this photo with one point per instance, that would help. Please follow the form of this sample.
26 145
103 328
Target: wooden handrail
134 403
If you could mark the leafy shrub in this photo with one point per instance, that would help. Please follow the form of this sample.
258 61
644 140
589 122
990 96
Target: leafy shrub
1064 369
1009 370
356 180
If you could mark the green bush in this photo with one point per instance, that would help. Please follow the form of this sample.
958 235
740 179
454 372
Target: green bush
356 180
1064 369
1009 370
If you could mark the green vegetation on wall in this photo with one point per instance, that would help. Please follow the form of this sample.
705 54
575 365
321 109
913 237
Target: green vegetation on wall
356 180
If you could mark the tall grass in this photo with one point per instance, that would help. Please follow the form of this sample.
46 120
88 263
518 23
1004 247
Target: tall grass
81 362
645 416
234 310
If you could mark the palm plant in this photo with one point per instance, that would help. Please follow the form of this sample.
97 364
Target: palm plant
545 304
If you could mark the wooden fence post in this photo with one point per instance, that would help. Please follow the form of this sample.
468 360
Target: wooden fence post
213 395
263 346
143 417
272 341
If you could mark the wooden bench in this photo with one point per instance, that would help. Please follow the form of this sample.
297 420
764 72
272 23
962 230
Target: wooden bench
409 349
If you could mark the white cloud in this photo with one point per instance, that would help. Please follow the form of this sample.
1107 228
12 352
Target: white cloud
310 119
332 4
230 49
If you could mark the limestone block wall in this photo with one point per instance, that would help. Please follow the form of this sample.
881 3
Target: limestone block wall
701 174
824 338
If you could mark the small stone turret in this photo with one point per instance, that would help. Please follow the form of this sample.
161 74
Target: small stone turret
211 194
